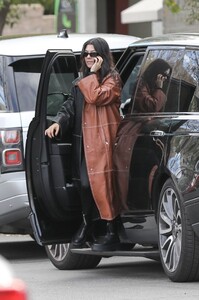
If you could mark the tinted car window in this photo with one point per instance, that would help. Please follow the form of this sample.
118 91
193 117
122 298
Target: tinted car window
2 95
131 81
27 75
191 76
172 84
60 83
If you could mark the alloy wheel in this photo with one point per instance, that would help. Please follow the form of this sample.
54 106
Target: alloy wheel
58 251
170 229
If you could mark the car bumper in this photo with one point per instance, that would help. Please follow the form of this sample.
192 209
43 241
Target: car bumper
14 203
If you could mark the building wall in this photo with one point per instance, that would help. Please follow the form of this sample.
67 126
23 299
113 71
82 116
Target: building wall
177 22
95 16
169 23
32 21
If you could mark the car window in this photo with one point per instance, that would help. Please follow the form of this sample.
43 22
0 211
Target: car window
191 78
62 75
2 95
160 62
130 78
2 99
130 82
27 74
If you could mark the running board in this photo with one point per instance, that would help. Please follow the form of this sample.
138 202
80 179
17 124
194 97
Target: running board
138 252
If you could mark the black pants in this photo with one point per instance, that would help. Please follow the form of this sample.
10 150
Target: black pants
89 207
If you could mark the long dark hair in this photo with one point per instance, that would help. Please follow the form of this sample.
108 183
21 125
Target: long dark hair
158 66
103 50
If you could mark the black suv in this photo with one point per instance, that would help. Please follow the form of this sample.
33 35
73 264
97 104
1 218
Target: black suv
159 170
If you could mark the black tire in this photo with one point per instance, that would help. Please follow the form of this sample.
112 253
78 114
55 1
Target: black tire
178 245
63 259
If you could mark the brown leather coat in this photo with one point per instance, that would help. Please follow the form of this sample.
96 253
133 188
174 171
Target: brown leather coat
100 120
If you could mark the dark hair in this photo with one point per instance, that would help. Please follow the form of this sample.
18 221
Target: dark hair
158 66
103 50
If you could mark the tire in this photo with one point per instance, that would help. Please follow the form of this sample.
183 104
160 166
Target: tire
63 259
178 244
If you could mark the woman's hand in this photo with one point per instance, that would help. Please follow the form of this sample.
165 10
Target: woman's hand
53 130
97 64
160 80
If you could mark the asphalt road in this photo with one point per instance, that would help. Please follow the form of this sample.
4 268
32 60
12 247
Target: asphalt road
116 278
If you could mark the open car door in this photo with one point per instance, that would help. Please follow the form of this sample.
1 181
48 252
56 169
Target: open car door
54 201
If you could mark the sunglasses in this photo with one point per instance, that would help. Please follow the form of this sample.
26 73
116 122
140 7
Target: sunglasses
166 74
92 54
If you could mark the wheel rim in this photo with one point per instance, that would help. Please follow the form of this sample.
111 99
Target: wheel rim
58 251
170 230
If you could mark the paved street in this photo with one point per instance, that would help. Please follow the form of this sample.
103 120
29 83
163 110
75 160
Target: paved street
115 278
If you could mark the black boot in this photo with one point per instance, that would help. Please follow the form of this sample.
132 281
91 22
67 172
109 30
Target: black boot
83 232
111 241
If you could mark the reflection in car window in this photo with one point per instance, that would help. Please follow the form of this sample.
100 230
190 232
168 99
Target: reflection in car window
27 75
191 77
172 82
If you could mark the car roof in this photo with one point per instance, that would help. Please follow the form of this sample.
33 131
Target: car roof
39 44
172 39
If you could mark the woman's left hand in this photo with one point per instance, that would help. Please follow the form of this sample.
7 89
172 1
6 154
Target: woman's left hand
160 80
97 64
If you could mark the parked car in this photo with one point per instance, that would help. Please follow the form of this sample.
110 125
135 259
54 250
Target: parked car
159 173
21 61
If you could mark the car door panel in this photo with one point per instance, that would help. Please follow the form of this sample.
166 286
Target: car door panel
139 152
54 200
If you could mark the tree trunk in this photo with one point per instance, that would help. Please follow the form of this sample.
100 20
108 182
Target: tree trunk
3 14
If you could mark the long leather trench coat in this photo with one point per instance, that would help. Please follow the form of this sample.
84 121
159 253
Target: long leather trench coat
92 112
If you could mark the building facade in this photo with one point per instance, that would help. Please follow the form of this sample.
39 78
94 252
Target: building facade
135 17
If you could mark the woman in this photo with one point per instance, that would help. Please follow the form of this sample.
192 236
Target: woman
92 111
149 95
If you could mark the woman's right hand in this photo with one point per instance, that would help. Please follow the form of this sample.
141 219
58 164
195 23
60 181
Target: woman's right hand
53 130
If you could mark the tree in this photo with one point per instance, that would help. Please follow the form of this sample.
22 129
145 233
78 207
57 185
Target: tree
10 14
192 6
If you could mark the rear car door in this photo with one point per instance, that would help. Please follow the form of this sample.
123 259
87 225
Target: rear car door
55 207
143 136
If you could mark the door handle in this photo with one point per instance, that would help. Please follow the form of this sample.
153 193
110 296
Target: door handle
157 133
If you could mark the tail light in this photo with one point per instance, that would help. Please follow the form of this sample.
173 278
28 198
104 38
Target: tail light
11 288
16 291
11 150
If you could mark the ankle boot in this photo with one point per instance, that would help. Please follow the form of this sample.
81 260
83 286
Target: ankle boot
111 241
83 232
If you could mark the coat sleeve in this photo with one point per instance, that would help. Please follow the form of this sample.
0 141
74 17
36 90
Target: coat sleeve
65 116
102 94
149 102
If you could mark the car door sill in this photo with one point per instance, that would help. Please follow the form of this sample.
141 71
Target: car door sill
148 252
